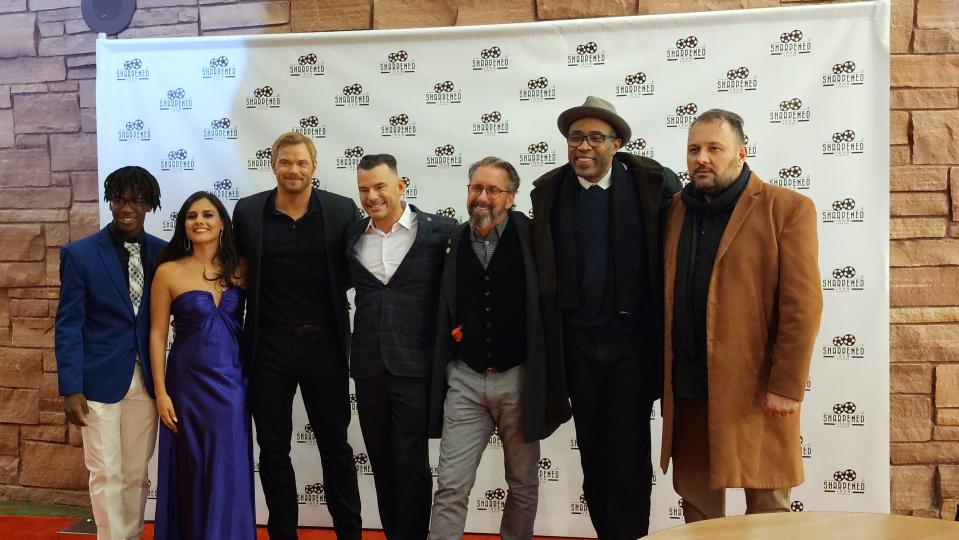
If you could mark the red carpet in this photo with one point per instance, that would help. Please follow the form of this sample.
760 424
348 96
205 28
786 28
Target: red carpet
45 528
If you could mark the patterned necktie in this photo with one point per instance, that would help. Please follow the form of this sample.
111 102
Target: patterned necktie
135 267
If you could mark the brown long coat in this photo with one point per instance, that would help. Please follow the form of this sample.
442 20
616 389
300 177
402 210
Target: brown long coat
762 317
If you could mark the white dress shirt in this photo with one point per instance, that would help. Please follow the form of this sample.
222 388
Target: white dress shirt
603 182
381 253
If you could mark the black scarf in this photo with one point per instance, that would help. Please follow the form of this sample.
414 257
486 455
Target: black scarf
703 226
625 249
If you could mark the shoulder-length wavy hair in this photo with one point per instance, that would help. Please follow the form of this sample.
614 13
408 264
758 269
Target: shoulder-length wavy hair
227 255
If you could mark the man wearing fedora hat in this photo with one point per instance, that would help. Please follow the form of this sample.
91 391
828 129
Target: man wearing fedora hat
596 236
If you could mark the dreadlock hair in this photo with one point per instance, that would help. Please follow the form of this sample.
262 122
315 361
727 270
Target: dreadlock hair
143 184
225 255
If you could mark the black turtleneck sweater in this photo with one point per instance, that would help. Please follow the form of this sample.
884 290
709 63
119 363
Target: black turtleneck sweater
703 228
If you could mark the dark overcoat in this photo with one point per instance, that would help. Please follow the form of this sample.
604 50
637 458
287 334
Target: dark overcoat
655 186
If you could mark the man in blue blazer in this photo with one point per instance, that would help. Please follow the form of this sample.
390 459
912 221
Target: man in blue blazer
102 330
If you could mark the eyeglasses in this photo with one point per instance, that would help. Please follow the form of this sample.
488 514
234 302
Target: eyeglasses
594 139
119 203
491 192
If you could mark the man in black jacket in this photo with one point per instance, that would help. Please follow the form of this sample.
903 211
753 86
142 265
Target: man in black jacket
395 260
296 331
491 369
596 235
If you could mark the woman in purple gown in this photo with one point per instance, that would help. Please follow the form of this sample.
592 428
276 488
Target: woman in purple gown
205 484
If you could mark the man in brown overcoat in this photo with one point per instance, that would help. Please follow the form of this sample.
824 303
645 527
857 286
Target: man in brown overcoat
742 310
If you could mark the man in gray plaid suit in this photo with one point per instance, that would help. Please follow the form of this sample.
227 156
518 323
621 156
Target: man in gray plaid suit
395 258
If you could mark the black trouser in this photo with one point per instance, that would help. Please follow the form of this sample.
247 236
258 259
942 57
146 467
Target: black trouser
312 362
610 390
394 413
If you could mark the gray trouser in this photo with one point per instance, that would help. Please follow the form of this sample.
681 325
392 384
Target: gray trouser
475 404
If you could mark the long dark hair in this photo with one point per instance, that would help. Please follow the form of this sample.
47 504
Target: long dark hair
226 255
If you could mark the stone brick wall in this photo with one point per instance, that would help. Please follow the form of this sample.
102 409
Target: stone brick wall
48 192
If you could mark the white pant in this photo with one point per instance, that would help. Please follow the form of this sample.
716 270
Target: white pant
118 442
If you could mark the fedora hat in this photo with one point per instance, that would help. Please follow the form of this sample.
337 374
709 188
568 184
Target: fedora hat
595 107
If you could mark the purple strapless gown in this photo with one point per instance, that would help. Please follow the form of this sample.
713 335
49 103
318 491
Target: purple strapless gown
205 480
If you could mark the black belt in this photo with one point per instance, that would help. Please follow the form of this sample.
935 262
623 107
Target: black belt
297 329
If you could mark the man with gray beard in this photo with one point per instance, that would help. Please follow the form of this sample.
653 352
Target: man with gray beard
490 367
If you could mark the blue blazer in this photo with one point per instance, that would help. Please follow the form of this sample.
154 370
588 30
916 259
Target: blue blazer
97 334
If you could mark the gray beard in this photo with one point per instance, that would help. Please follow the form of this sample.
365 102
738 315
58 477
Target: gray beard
481 221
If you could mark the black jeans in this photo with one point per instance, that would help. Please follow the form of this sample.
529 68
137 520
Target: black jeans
611 392
312 362
394 413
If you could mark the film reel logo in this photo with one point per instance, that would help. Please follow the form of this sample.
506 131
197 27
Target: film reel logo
221 129
225 191
312 495
176 99
218 68
675 511
307 65
587 54
736 81
398 62
792 177
178 160
790 43
261 160
444 156
362 463
844 347
547 473
845 482
796 506
350 158
537 154
844 211
398 56
133 69
639 146
491 123
843 143
306 435
263 97
579 507
449 212
844 415
352 95
790 111
398 125
683 116
168 224
444 93
411 190
538 89
493 500
686 49
311 127
308 59
134 131
491 59
844 74
635 85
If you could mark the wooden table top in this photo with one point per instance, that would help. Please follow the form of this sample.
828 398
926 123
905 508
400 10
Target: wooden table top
815 526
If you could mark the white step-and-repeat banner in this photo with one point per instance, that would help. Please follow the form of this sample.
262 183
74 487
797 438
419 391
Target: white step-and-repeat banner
811 82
